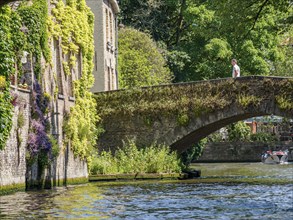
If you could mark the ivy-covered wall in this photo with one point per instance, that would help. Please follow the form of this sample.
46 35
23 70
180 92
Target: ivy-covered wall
46 47
179 115
71 25
9 44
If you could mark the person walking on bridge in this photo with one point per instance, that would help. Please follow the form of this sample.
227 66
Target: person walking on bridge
236 69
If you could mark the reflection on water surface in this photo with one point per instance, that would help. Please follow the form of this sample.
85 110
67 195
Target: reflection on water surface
211 197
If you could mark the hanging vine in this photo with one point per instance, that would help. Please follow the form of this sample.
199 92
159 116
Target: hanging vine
10 46
73 23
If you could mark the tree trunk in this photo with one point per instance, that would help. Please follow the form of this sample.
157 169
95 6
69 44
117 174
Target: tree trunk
180 21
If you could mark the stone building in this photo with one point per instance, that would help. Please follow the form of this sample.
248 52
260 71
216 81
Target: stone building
56 82
105 40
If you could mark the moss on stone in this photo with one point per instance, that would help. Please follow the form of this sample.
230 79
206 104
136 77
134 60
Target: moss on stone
79 180
7 189
187 100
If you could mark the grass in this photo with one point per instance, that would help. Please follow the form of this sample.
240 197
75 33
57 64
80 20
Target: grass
130 159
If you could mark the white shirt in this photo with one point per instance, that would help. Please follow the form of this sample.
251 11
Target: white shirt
237 69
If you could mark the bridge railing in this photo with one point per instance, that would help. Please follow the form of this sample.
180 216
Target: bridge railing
213 81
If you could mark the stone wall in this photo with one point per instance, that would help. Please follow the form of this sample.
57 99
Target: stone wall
238 152
180 115
65 169
12 158
68 167
59 87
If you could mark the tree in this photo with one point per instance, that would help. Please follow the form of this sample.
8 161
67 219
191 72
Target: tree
208 34
238 131
140 61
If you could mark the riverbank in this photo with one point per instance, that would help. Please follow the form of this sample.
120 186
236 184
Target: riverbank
211 173
12 188
137 176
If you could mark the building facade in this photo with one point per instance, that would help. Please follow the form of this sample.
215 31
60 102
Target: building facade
106 44
43 95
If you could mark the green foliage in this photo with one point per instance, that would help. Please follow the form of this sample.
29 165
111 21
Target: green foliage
191 100
8 22
217 53
181 100
215 137
34 18
20 120
73 24
2 82
81 128
5 117
193 153
246 101
210 33
9 189
285 98
284 67
238 131
140 62
55 147
13 42
130 159
285 102
263 137
104 163
183 120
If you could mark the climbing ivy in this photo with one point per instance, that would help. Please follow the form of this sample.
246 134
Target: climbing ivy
31 19
9 41
34 18
72 24
5 117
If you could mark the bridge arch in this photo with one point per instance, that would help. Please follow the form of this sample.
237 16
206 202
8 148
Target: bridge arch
210 125
179 115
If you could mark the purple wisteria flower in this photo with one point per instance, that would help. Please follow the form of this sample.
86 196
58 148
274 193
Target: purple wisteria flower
38 139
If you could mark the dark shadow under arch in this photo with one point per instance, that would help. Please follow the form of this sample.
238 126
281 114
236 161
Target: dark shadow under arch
198 134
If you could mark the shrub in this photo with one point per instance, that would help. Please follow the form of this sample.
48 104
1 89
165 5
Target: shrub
130 159
238 131
264 137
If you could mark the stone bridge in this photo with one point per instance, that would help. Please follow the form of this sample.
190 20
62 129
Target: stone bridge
179 115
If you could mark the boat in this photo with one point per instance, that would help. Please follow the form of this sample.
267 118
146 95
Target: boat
275 157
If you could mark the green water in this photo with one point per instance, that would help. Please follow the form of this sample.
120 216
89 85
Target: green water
258 173
225 191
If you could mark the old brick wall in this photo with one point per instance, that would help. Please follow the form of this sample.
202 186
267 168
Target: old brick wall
238 151
66 166
12 158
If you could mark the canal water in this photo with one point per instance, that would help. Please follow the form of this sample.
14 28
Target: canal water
225 191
